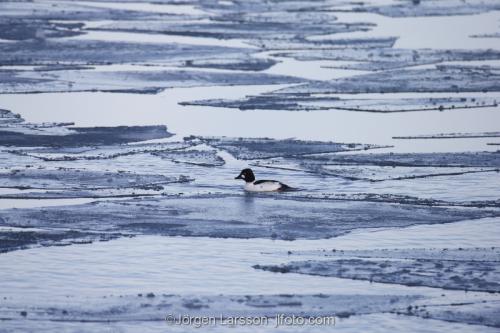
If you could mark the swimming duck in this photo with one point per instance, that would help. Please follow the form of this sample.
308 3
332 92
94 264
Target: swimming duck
253 185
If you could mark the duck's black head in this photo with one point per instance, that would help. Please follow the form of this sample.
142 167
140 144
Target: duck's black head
247 175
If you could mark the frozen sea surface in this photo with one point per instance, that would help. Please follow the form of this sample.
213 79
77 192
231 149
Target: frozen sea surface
123 124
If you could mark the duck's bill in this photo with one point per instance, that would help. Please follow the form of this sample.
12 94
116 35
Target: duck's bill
239 177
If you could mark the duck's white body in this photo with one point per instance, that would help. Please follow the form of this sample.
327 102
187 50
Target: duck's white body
252 185
263 186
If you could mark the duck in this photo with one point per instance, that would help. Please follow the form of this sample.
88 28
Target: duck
252 185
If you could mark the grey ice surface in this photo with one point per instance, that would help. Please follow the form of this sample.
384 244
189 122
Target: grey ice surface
384 167
307 44
483 313
8 117
376 59
262 148
443 78
74 179
19 29
12 240
321 95
286 26
438 273
30 11
99 52
371 173
196 157
14 131
152 307
84 136
408 8
452 136
265 25
144 82
305 102
247 216
492 35
453 254
465 159
101 152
